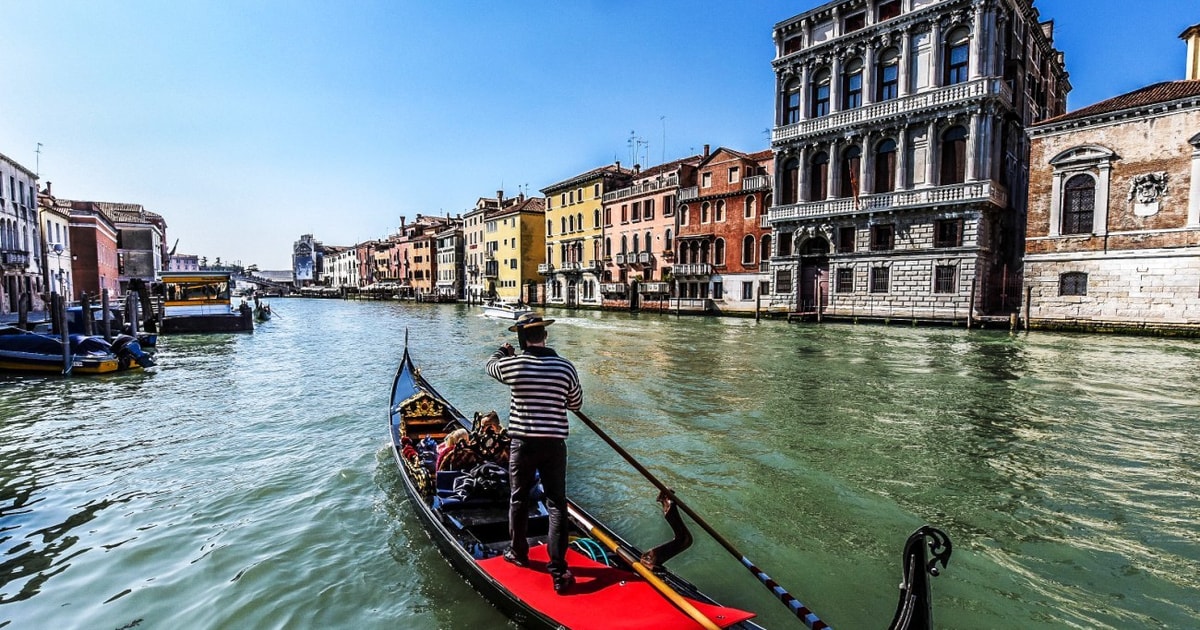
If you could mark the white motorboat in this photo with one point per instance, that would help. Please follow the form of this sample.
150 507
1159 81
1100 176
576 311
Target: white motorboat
500 309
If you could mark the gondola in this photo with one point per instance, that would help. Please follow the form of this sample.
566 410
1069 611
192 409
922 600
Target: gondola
618 585
473 533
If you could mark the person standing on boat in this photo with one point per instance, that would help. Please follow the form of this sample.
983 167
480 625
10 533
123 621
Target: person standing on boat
543 387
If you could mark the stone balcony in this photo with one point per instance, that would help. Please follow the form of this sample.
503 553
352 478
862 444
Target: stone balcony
644 258
619 259
689 193
545 269
14 258
692 269
654 287
613 288
756 182
642 188
969 192
866 116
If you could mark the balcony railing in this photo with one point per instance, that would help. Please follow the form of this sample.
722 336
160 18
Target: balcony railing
545 268
985 191
613 288
688 194
654 287
645 258
619 259
950 95
572 266
642 188
755 182
692 269
14 258
595 265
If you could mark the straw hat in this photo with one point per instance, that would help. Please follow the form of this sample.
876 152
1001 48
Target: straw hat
529 320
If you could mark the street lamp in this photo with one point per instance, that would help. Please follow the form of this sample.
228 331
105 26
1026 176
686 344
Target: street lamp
58 252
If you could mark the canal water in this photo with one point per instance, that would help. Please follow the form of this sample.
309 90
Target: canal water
245 482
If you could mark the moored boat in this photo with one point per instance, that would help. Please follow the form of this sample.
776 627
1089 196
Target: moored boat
501 309
201 302
471 531
24 351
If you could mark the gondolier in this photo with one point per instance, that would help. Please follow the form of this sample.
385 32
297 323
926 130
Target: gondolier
544 386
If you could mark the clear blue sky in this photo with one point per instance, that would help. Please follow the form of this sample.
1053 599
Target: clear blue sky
246 124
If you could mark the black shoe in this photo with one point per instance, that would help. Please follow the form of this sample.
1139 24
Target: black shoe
511 557
563 582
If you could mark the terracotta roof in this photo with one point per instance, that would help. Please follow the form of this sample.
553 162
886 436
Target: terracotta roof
667 167
1150 95
595 173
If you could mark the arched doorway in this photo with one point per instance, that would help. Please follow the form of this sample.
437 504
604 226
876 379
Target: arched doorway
814 274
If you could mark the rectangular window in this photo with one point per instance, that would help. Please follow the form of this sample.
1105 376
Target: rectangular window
945 279
718 290
854 22
845 239
668 206
648 209
734 174
888 10
1072 283
947 233
883 237
706 180
821 101
783 281
747 290
845 280
624 213
596 191
637 211
889 82
879 279
853 90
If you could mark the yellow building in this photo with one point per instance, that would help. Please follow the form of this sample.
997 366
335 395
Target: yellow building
514 239
574 235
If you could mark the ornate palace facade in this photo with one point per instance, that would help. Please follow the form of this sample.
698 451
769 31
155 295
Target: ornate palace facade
901 157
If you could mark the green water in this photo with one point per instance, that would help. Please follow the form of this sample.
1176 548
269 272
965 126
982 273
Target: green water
245 483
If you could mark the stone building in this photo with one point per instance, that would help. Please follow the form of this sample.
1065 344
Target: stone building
21 254
1113 241
900 154
723 239
640 226
573 268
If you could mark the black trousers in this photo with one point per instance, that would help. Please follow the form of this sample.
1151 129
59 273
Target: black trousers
548 458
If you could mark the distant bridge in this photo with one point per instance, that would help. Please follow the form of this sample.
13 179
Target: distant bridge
262 282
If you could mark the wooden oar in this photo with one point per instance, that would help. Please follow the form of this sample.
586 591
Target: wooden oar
809 618
659 585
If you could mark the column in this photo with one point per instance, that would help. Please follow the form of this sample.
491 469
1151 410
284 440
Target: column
980 35
802 175
905 67
936 53
973 144
831 173
1193 218
931 154
804 92
902 159
868 75
1056 204
1100 217
866 182
835 84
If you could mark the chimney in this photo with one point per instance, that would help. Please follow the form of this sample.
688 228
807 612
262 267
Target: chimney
706 150
500 198
1192 37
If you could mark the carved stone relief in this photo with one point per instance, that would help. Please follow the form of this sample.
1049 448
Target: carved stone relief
1146 192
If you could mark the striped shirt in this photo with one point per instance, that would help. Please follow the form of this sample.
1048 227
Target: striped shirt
544 386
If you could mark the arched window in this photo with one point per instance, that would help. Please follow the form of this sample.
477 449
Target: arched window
765 248
667 243
607 247
887 86
571 223
852 87
820 94
704 253
549 227
624 244
885 166
564 224
596 218
636 249
649 242
791 103
748 250
683 215
719 212
704 218
789 182
1078 205
750 209
958 56
954 155
818 175
851 163
579 221
719 252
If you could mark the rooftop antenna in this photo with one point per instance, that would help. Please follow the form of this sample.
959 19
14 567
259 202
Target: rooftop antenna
663 119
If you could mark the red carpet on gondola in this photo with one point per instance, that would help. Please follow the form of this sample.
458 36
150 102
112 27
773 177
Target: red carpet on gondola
599 599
